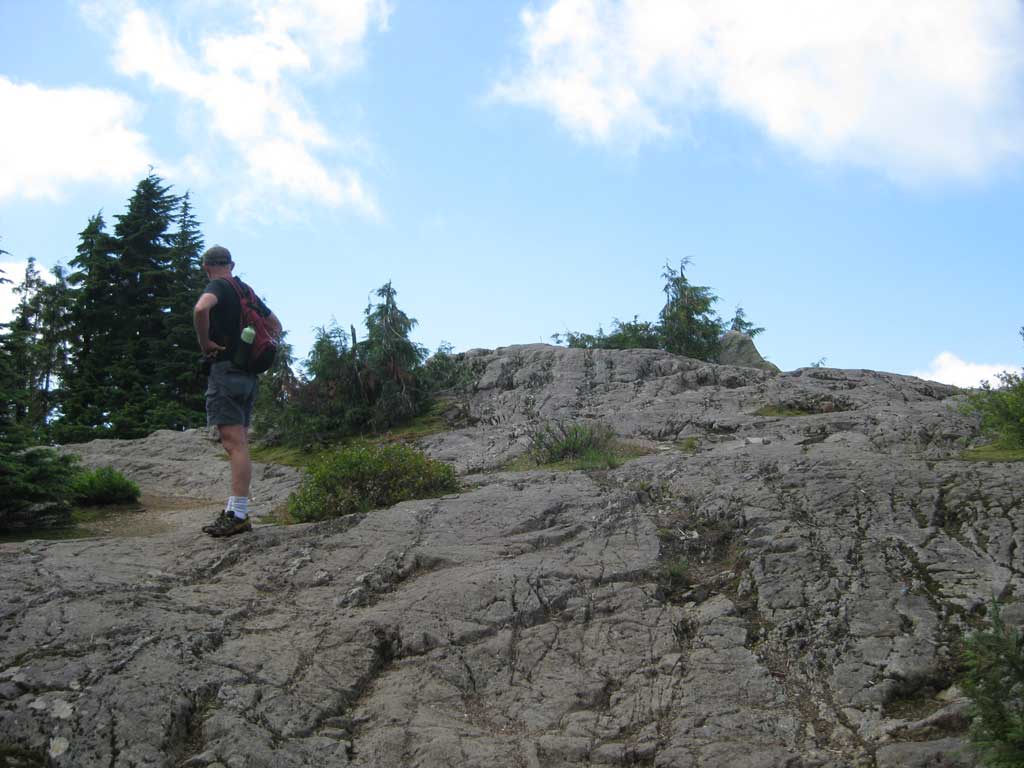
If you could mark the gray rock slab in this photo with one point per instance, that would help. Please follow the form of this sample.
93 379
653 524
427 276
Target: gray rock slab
830 549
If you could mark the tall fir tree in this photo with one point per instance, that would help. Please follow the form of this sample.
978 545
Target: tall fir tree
36 346
142 248
179 363
19 345
34 482
133 365
53 345
88 392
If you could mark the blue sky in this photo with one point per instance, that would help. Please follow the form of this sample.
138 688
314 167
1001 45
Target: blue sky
849 174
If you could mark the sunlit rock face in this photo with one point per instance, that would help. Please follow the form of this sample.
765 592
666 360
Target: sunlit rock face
782 579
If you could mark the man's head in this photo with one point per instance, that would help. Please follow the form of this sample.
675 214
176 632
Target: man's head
217 261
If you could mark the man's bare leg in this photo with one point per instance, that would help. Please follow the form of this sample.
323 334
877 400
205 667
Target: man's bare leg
235 439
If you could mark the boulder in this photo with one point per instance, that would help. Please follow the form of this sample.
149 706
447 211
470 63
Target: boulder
738 349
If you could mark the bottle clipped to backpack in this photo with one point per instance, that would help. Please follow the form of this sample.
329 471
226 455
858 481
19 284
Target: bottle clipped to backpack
241 358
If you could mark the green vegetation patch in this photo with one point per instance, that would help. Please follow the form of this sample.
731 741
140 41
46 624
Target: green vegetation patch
364 477
16 757
778 410
688 444
993 453
34 488
1001 409
103 486
674 575
994 682
289 456
581 446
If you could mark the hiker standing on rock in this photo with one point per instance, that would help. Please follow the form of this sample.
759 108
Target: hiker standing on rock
237 335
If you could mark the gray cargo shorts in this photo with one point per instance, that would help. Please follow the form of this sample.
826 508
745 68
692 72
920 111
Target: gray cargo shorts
230 395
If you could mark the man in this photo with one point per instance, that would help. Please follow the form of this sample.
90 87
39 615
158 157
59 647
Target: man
231 392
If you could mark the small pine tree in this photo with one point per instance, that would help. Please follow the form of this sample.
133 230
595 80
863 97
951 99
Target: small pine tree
994 660
688 325
34 482
392 358
740 323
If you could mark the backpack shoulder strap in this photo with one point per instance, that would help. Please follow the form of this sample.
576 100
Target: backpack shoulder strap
233 282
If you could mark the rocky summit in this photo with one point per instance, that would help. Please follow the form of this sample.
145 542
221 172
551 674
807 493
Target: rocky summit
783 578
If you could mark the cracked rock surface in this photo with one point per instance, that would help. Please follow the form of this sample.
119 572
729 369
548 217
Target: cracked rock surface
756 591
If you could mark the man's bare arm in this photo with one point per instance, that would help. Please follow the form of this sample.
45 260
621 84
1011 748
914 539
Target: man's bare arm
201 320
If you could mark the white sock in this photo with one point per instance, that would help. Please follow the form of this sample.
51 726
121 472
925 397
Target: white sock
241 507
230 505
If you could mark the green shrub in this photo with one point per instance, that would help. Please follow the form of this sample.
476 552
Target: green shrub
556 441
35 486
994 659
365 477
1001 409
447 372
675 574
94 488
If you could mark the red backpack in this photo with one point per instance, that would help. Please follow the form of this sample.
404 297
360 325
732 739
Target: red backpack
257 356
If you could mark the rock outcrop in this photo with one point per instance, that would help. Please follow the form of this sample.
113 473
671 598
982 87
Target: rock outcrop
783 580
739 349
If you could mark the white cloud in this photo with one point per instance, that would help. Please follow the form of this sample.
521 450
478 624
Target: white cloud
917 89
950 369
248 85
50 137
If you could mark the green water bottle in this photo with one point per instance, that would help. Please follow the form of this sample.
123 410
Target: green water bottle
244 347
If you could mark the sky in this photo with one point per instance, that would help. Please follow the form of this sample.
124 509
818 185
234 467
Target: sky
849 172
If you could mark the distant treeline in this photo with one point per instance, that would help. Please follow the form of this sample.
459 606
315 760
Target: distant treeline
687 324
107 348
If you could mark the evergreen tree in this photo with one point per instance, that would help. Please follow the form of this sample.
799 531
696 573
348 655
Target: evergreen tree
180 361
90 388
688 325
133 367
35 345
19 345
740 323
34 482
393 359
143 293
349 386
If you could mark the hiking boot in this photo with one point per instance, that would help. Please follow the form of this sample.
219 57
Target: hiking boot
227 524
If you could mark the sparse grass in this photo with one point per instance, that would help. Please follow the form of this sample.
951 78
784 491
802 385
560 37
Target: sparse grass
688 444
777 410
285 455
430 423
675 574
993 452
614 455
556 441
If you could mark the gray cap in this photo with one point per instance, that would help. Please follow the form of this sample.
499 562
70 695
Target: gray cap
217 256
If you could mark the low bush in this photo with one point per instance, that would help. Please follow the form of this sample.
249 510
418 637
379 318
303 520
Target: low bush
365 477
556 441
94 488
35 489
994 660
1001 410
